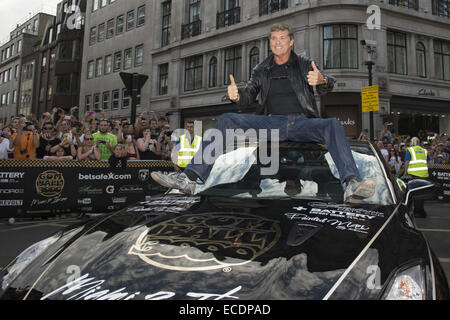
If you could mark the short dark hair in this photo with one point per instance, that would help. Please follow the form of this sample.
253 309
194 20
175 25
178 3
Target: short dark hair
282 27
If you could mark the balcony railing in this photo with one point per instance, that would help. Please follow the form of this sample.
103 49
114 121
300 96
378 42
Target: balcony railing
191 29
441 8
271 6
228 17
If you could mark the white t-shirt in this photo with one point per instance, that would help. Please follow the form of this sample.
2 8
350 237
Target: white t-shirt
4 149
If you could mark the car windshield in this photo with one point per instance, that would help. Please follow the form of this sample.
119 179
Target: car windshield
303 171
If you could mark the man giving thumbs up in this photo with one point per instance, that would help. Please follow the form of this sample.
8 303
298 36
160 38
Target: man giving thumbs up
284 84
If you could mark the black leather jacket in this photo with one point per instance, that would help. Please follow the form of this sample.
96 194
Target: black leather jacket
299 66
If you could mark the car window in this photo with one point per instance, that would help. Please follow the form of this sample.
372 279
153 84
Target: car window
304 171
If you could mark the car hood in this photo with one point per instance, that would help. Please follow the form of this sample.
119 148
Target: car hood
182 247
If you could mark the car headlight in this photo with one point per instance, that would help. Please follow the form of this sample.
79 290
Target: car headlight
25 258
408 285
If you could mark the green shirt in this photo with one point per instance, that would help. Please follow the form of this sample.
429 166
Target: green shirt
106 153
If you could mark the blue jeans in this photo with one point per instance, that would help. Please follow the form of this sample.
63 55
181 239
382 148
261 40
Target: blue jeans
297 128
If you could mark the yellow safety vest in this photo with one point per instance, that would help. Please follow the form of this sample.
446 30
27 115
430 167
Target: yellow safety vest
187 150
418 163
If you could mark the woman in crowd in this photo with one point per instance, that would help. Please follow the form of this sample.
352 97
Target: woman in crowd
88 151
147 146
59 155
68 146
47 140
395 162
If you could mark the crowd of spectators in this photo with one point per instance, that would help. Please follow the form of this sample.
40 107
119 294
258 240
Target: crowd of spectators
393 147
63 135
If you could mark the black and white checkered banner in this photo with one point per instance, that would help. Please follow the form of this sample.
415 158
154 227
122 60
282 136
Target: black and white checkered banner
36 188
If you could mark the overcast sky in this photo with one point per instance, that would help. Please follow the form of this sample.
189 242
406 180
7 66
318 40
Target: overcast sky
14 11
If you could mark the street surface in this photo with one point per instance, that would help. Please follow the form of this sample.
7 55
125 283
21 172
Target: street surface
17 237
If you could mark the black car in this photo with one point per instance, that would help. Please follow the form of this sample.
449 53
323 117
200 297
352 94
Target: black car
245 235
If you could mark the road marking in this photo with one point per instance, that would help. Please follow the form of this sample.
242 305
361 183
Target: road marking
36 225
445 260
434 230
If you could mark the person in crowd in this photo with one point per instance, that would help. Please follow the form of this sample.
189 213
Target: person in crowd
77 133
395 162
386 132
441 151
26 141
68 146
47 140
364 135
416 160
88 150
187 146
104 139
5 144
59 155
147 146
284 83
131 145
164 145
447 148
440 159
119 154
7 134
153 124
383 150
162 121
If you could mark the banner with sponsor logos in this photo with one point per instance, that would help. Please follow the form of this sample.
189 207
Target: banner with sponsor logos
35 188
441 175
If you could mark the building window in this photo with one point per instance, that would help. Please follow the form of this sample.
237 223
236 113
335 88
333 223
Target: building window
139 56
97 101
140 16
270 6
254 59
193 73
119 24
105 100
163 79
340 47
397 59
63 84
194 26
117 61
442 59
130 20
125 100
93 36
233 64
95 5
115 99
441 8
99 67
421 60
65 50
212 83
166 14
101 32
88 102
230 15
90 69
110 28
108 64
412 4
127 59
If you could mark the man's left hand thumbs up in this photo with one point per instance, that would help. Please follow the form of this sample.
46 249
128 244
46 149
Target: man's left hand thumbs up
315 78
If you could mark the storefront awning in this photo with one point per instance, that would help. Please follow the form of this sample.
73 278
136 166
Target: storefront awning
417 105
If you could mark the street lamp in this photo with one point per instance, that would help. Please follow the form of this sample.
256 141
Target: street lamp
371 49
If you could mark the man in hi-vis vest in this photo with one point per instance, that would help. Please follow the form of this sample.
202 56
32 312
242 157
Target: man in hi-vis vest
416 166
188 146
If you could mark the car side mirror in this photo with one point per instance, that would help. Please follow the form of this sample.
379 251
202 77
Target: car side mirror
419 189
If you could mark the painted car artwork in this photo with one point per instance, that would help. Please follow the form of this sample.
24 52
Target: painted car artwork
245 236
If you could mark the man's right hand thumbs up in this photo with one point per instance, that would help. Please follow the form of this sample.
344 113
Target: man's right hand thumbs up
233 92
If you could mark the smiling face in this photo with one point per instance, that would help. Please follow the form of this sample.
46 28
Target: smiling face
281 45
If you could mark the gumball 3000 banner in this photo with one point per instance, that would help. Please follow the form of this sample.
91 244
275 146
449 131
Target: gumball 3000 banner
441 175
31 188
